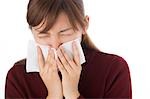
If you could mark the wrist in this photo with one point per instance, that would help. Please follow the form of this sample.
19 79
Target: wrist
52 97
73 96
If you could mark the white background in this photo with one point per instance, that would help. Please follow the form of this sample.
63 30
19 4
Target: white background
116 26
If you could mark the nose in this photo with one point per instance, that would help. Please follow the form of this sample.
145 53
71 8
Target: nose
54 42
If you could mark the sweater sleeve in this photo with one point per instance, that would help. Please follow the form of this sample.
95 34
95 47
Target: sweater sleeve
20 84
118 82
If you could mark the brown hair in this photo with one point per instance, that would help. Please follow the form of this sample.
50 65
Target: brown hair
39 10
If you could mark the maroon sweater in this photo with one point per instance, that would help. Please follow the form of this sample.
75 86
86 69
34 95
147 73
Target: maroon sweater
103 76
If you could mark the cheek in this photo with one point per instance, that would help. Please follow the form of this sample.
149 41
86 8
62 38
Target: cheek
80 32
66 39
40 41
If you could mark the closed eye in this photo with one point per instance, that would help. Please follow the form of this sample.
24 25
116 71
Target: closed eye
64 30
41 35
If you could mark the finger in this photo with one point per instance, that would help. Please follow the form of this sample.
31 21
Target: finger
40 58
49 56
53 61
50 62
60 66
47 62
52 54
63 60
76 53
69 60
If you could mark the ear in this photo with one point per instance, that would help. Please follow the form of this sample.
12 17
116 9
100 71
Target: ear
86 19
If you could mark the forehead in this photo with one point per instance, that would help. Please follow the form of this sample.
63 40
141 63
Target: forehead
62 21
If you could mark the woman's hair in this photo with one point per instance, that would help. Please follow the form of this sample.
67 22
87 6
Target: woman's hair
48 11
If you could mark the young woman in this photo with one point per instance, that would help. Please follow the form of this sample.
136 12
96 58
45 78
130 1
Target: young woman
53 23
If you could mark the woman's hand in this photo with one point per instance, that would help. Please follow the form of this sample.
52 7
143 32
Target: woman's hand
49 75
70 70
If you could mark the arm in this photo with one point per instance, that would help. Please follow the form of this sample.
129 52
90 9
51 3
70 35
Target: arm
118 81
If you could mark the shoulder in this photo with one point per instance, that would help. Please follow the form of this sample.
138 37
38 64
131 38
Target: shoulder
21 62
19 65
106 60
18 68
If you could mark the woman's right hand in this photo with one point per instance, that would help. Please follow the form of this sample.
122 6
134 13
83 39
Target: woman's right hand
49 74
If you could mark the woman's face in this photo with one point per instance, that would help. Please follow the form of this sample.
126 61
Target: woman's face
61 32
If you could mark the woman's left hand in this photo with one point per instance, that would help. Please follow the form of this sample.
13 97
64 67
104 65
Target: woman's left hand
70 70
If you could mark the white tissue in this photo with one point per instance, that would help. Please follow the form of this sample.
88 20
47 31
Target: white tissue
32 61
